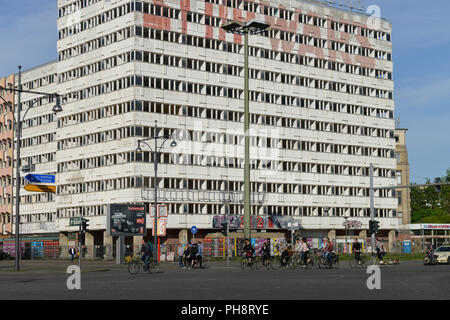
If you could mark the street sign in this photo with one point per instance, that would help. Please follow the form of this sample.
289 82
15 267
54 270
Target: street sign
40 188
40 178
194 230
75 221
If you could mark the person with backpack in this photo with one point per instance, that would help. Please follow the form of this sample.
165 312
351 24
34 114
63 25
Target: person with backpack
146 250
194 253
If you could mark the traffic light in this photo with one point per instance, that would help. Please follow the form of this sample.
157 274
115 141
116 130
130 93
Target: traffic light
84 225
224 229
374 226
437 188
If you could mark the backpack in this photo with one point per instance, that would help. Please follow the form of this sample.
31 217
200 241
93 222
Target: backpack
194 249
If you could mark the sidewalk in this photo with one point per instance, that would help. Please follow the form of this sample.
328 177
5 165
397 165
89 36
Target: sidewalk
51 266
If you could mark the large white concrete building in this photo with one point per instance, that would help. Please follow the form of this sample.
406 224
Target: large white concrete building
321 104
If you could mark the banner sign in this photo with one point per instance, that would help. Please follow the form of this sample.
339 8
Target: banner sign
126 220
40 178
256 222
352 224
436 226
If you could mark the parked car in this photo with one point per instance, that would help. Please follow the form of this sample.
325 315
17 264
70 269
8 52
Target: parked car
443 254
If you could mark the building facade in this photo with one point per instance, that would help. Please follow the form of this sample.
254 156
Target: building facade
6 155
321 104
402 173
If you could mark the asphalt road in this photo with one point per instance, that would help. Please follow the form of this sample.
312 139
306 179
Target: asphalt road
104 280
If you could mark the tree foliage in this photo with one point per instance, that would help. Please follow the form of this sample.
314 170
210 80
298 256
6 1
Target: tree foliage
429 206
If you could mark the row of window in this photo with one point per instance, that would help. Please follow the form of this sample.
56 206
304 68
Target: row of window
225 115
218 185
37 198
96 43
40 82
189 87
75 6
259 74
213 209
39 158
38 217
223 138
41 139
96 20
218 161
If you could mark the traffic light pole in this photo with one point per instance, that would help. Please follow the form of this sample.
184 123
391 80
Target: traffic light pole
372 208
79 242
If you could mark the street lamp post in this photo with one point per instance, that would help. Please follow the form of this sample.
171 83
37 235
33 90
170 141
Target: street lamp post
252 27
346 242
156 153
18 122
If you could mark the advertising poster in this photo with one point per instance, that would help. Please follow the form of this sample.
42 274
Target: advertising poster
126 220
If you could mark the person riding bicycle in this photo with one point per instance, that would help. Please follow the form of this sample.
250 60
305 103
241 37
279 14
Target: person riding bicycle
327 250
265 252
197 254
146 250
187 255
304 251
286 255
357 250
249 251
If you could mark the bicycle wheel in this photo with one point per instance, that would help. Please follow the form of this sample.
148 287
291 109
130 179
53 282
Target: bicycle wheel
275 263
322 263
352 263
362 262
309 263
154 267
244 263
133 267
203 264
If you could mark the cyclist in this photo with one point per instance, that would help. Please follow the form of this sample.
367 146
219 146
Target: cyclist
194 252
357 250
197 253
146 251
304 251
327 250
187 255
249 251
286 255
265 252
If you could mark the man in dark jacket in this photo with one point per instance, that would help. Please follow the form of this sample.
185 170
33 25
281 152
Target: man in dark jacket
72 253
146 250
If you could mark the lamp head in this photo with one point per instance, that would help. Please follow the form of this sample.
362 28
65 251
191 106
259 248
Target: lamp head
139 149
173 144
57 108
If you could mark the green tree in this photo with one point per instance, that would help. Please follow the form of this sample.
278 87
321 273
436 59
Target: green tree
429 206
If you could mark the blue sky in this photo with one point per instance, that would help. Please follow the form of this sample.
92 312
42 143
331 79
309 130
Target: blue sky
421 41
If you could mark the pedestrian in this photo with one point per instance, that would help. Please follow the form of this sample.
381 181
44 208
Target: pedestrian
180 255
72 253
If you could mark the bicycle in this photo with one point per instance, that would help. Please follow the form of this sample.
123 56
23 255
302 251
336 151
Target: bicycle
199 263
322 263
247 263
136 264
309 262
358 263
